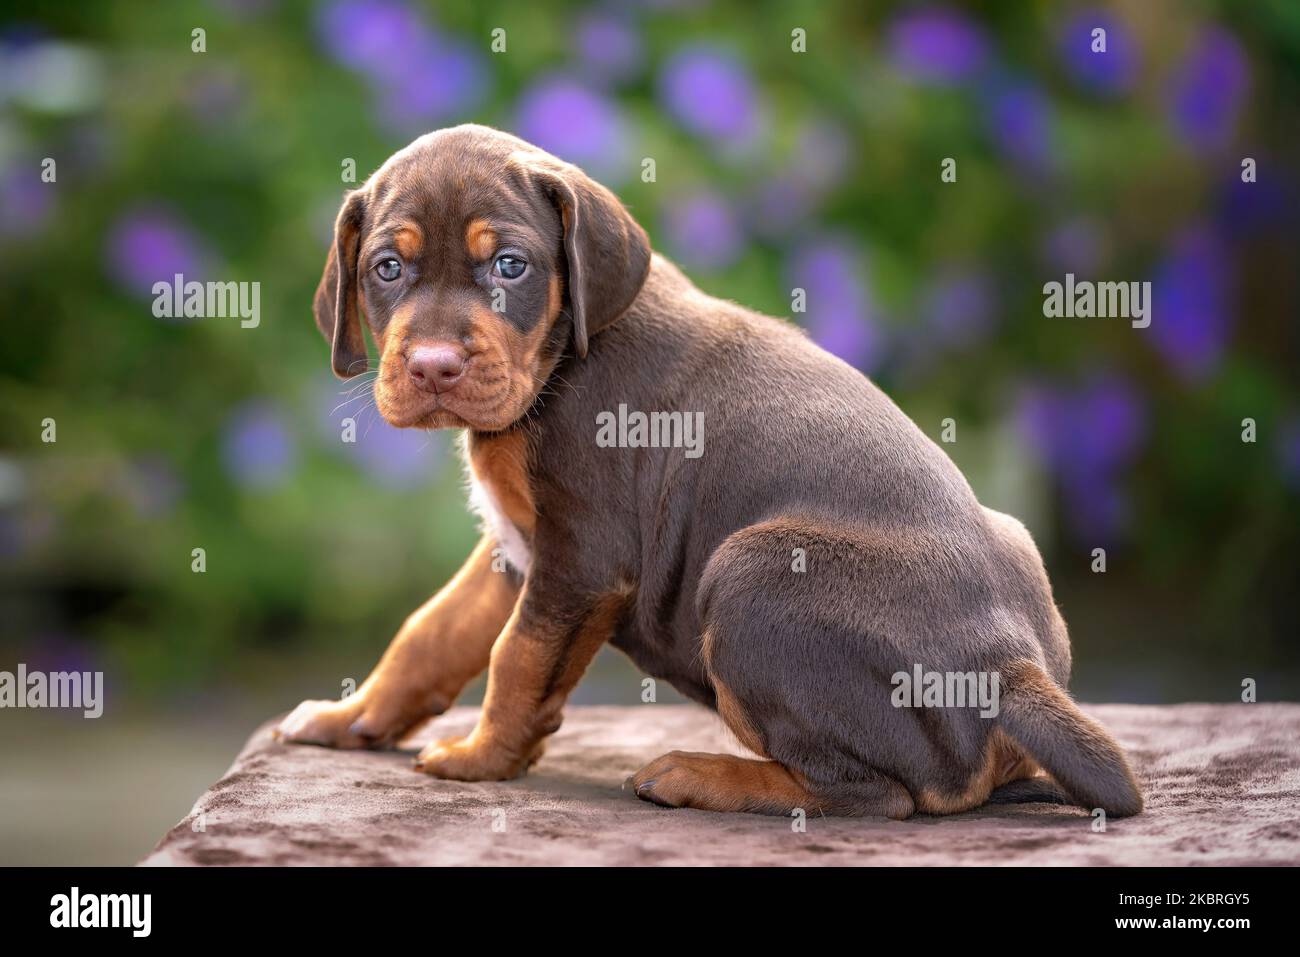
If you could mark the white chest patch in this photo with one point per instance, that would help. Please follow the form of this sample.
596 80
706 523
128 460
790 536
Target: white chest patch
495 523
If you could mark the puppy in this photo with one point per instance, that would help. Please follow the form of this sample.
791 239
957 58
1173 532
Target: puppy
820 548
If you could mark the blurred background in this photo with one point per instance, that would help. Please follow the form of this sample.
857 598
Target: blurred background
775 169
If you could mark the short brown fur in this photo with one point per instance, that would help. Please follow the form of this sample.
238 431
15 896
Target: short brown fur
682 562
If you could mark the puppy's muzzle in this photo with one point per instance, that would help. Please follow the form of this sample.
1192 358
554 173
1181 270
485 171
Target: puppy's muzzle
436 368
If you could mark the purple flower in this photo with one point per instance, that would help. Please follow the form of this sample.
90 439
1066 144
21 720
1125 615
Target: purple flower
1041 416
419 76
25 201
608 46
702 231
1112 416
400 458
257 448
1076 245
394 458
1111 72
1086 430
1191 317
566 118
1087 436
1270 204
59 651
711 94
1209 88
838 301
446 80
936 46
378 37
21 36
815 167
958 309
1098 509
1020 119
148 245
777 205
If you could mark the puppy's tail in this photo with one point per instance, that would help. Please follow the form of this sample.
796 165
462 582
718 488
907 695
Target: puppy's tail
1074 749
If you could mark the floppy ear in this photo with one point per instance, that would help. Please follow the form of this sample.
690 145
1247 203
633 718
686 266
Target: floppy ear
335 304
608 253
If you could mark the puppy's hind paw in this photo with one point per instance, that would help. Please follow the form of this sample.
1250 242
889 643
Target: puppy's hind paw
667 781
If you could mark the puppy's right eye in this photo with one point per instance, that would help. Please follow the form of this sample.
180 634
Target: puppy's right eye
389 270
509 267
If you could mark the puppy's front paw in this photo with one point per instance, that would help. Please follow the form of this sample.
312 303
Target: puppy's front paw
334 724
472 759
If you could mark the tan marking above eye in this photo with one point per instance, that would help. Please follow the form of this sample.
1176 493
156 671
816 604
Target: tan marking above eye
480 239
408 241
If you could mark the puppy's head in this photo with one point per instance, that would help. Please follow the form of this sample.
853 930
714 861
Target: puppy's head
478 261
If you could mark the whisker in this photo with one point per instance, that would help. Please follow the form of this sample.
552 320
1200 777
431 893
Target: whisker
345 402
360 382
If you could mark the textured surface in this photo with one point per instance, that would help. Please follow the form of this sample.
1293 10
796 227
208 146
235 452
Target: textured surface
1222 785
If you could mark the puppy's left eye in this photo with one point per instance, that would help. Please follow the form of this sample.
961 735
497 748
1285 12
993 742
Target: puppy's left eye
389 270
509 267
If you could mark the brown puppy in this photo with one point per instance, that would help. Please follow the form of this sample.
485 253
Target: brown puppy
820 549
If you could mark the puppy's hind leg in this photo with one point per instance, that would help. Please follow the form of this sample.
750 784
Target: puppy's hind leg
787 687
724 782
719 782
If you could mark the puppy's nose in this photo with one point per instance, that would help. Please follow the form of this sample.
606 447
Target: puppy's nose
436 368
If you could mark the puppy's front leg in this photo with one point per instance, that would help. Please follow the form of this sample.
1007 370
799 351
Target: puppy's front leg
442 646
541 654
